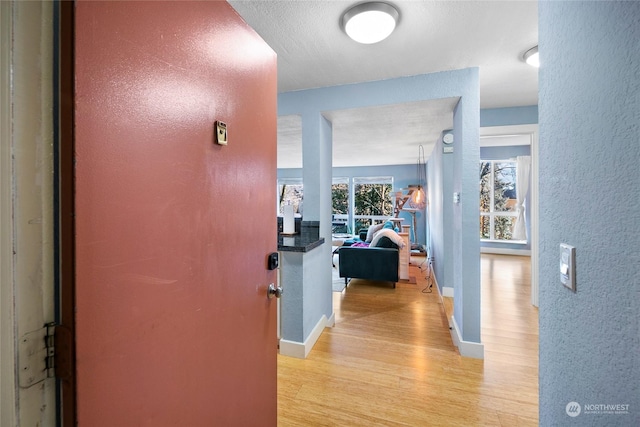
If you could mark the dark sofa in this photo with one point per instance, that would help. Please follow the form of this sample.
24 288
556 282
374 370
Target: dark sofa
372 263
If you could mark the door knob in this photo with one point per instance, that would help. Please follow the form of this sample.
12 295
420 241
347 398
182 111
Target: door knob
274 291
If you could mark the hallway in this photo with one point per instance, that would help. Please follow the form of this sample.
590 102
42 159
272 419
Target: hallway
389 361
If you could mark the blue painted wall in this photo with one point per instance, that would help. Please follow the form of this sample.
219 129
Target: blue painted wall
527 115
466 221
589 110
301 293
440 191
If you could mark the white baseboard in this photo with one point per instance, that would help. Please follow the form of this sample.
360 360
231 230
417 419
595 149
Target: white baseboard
466 348
503 251
331 321
447 292
301 349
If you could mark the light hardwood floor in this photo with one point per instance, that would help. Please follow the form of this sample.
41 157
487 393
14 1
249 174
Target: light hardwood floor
390 361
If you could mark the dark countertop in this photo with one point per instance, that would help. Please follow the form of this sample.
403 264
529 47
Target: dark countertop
306 240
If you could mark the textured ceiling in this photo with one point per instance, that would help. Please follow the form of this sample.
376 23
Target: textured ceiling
431 36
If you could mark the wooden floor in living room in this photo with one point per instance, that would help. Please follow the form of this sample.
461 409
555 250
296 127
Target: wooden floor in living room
390 361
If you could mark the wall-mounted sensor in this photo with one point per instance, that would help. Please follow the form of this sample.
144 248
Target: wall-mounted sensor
221 133
272 262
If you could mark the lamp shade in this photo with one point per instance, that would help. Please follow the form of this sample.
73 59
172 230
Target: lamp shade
418 199
370 23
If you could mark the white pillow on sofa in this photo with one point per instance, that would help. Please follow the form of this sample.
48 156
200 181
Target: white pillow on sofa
386 232
373 230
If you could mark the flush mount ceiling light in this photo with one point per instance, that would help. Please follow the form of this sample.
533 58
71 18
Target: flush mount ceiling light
532 57
370 23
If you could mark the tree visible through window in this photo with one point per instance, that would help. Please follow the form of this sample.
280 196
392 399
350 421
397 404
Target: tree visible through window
340 206
497 199
290 192
372 200
340 198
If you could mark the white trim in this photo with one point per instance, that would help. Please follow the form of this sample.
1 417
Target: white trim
466 348
504 131
301 349
331 322
505 251
509 242
504 140
446 292
535 217
293 349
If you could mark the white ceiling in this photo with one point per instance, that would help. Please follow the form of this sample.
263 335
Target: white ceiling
431 36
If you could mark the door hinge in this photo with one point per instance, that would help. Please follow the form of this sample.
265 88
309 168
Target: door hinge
50 345
44 353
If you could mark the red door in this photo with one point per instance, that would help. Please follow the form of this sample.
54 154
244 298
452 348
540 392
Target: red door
173 323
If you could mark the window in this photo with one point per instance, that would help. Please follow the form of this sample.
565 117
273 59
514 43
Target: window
372 200
369 198
497 199
340 205
290 192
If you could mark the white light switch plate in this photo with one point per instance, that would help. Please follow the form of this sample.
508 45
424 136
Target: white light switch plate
568 266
